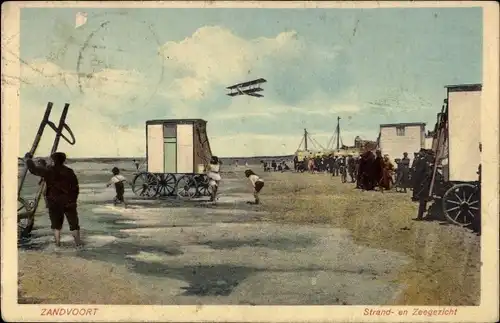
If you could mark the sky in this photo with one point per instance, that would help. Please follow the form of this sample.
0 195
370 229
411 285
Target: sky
127 66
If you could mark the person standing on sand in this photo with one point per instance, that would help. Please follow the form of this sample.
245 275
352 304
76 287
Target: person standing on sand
405 172
213 174
257 184
119 181
136 163
310 165
62 190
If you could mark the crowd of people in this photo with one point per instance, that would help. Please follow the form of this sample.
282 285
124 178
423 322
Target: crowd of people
275 166
368 170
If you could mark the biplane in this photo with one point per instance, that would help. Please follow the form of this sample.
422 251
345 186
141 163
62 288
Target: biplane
247 88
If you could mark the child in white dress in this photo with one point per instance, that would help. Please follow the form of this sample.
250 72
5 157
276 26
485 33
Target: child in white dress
213 173
257 183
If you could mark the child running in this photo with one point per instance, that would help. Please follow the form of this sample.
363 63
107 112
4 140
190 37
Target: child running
257 184
119 181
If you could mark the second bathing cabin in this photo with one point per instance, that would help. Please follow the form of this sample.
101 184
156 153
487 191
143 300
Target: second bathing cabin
397 138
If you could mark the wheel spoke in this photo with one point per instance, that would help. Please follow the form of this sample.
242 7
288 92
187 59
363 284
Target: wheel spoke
458 214
453 208
453 202
471 214
474 202
458 198
473 208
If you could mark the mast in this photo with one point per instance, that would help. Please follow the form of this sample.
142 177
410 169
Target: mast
338 133
305 139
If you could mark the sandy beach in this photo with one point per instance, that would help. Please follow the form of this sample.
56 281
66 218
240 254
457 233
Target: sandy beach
313 240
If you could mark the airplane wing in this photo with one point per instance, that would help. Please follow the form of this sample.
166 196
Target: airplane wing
247 92
255 94
245 84
252 90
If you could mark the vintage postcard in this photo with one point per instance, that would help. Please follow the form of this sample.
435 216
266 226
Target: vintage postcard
250 161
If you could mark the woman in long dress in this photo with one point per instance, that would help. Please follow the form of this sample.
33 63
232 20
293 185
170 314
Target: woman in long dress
213 173
386 180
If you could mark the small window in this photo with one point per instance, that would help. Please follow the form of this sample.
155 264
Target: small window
170 130
400 131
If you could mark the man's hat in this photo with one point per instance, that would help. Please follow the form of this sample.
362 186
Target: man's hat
59 157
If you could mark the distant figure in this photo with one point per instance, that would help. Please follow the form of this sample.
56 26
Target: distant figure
257 184
266 167
273 165
61 194
136 163
236 163
310 165
416 156
246 164
214 176
386 181
405 172
351 168
119 182
295 162
368 174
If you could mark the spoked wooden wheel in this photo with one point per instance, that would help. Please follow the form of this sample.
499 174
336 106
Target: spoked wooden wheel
25 217
187 187
166 184
203 183
461 203
145 185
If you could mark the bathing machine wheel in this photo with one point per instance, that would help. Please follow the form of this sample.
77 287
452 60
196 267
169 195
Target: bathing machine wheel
461 203
187 187
166 184
25 217
145 185
203 184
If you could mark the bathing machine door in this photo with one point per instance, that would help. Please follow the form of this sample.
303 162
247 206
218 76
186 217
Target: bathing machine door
464 132
154 148
185 148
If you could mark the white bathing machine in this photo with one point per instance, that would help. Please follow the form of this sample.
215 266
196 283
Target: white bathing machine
456 146
177 153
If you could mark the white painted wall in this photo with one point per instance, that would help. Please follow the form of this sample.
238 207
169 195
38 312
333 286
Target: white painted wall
428 143
155 148
395 146
464 131
185 155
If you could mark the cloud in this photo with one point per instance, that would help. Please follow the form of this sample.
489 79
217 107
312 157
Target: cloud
95 136
41 73
105 83
92 115
213 55
318 103
108 113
